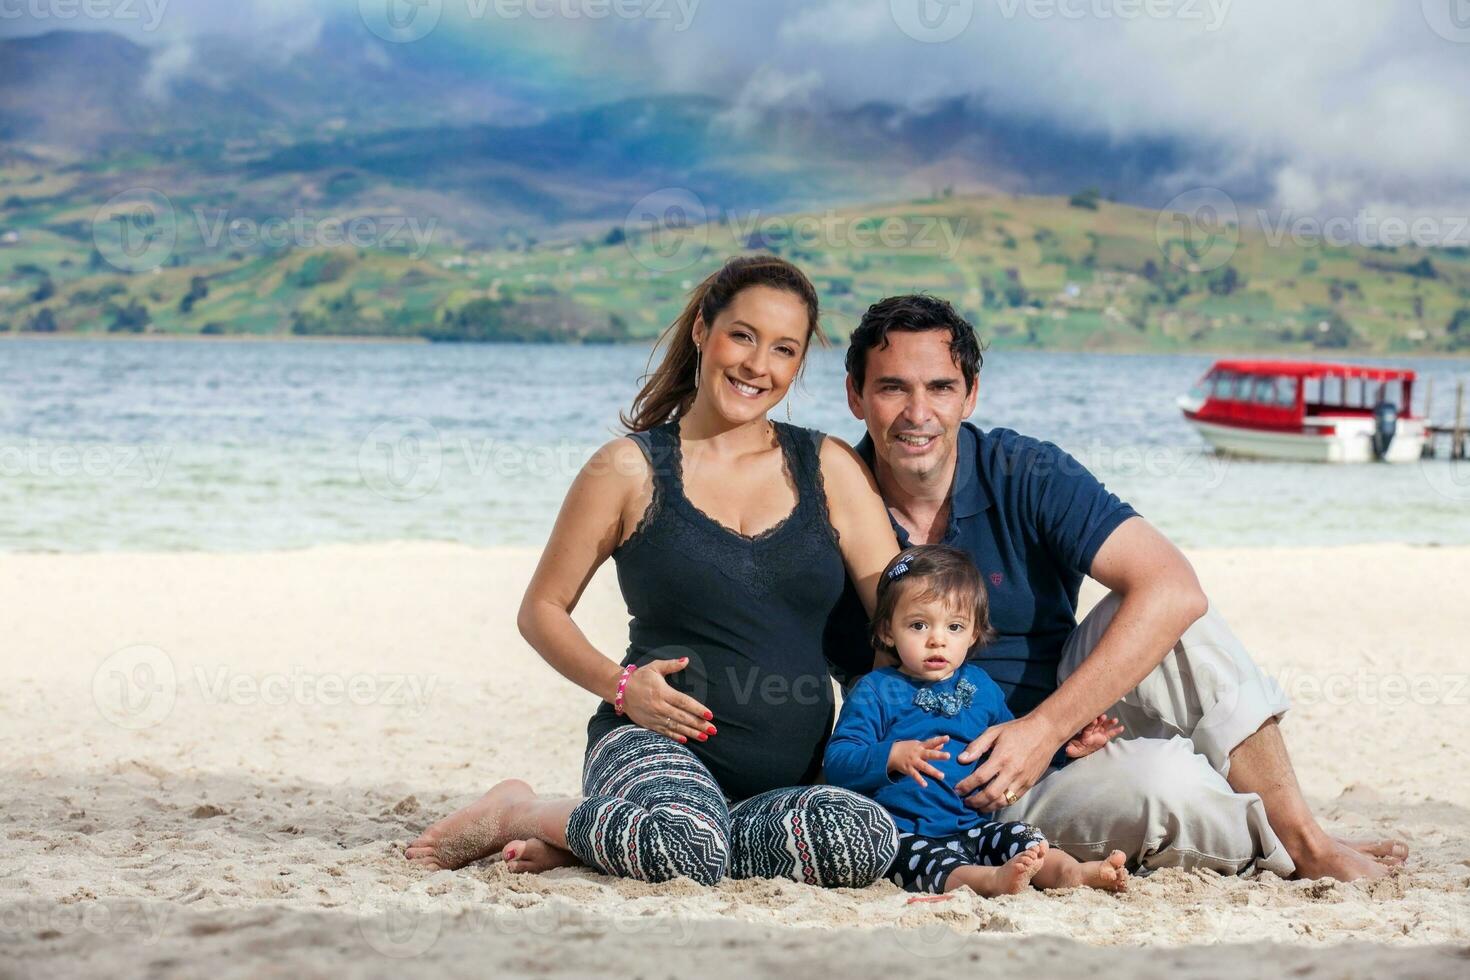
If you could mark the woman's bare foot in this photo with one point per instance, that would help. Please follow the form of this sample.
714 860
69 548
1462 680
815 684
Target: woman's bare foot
475 832
535 855
1010 878
1386 851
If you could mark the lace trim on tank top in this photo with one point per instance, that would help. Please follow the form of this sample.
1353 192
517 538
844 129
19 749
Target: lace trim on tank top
757 562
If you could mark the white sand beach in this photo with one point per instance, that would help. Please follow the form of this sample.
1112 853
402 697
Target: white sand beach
211 763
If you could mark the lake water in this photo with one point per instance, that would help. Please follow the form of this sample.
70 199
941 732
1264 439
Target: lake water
229 445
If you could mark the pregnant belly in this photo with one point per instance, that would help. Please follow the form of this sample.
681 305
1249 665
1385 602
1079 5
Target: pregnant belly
771 725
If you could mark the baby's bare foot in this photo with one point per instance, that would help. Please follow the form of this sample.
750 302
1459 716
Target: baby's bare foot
1011 878
1108 874
475 832
535 855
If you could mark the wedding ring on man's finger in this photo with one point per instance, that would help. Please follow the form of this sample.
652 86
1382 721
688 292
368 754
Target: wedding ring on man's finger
1011 797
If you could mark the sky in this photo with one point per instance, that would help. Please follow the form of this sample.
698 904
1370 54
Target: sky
1338 105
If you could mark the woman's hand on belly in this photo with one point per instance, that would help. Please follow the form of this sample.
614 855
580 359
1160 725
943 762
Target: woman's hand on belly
653 704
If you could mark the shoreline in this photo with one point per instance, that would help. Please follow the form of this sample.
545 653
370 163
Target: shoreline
643 342
408 545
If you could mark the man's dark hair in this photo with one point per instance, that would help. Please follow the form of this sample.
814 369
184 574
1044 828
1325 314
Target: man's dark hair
914 312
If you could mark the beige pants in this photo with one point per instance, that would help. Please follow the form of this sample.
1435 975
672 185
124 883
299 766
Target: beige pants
1158 793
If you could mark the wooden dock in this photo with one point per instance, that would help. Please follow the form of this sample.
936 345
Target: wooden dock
1455 436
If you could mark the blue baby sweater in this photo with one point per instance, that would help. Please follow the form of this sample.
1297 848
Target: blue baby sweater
879 711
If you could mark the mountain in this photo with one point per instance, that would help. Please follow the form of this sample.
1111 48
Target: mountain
493 144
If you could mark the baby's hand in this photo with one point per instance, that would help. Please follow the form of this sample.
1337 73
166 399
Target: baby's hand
1099 732
912 758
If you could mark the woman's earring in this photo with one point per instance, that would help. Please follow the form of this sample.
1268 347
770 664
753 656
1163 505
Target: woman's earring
788 408
697 352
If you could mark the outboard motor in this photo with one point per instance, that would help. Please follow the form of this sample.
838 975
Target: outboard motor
1385 424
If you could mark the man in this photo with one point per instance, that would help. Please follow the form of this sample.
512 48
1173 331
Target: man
1201 777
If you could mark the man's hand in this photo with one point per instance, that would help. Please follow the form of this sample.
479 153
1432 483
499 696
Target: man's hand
912 758
1020 752
1099 732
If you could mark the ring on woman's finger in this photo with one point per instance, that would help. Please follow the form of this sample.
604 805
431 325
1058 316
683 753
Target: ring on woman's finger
1012 797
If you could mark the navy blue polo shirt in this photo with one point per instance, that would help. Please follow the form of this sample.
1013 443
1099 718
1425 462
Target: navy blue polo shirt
1032 518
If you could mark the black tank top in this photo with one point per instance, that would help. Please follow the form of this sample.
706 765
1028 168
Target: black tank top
748 612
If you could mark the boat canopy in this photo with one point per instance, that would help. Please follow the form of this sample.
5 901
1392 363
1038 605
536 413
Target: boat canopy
1271 394
1314 369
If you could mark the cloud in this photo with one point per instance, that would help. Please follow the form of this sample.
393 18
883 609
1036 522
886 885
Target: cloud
1325 104
1331 104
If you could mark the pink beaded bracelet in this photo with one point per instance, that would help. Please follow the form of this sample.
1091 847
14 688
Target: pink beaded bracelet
622 687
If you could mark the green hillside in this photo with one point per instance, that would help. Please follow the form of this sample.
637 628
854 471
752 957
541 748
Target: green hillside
1036 272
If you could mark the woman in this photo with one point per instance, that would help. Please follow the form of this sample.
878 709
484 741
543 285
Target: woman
731 535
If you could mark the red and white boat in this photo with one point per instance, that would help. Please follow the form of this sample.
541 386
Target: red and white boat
1311 412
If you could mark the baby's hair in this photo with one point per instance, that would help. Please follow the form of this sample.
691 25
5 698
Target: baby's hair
942 573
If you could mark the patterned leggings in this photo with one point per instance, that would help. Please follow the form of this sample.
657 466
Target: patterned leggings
654 812
924 862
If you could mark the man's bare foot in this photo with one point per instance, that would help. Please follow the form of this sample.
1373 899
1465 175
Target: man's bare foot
1010 878
1334 859
475 832
535 855
1386 851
